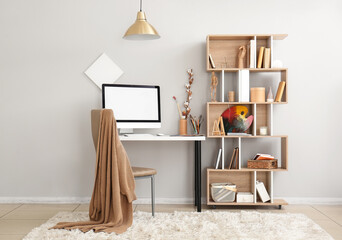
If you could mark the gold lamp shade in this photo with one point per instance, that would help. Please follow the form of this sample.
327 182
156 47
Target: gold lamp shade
141 29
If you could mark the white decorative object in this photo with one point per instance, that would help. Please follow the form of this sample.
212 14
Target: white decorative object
243 85
262 192
103 70
244 197
270 97
277 64
263 131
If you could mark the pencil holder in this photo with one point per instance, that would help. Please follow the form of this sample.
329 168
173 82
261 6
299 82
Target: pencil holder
183 127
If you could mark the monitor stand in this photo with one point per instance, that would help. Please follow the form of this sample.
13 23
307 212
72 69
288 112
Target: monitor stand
123 131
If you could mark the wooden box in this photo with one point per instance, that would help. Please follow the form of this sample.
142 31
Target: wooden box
265 164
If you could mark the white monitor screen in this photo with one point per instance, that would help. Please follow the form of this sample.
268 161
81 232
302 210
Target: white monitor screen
134 106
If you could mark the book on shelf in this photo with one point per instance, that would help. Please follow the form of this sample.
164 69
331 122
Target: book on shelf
211 61
237 158
243 85
262 192
263 156
234 161
238 134
218 158
260 56
252 54
267 58
248 49
280 91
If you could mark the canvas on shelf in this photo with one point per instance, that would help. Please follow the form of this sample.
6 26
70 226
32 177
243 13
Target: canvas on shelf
103 70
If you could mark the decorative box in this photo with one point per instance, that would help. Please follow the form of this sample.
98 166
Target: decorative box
266 164
244 197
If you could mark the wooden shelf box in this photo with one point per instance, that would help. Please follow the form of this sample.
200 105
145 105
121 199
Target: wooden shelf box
245 182
224 51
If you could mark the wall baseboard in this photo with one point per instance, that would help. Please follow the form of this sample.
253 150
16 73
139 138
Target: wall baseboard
327 201
61 200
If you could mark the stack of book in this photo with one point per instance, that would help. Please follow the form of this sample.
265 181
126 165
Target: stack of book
263 156
264 58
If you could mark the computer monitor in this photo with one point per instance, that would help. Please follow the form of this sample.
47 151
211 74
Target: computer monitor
134 106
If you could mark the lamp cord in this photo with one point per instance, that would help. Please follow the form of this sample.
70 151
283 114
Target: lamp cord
140 5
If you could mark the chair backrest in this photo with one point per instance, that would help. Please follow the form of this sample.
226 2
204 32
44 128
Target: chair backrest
95 124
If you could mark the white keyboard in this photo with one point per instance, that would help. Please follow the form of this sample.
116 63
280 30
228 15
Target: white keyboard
138 135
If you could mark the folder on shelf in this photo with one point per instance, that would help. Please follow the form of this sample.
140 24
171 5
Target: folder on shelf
232 159
280 91
267 58
237 158
248 48
218 158
243 76
260 56
211 61
263 194
252 54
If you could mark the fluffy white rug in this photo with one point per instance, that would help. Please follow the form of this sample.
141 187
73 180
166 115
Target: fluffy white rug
207 225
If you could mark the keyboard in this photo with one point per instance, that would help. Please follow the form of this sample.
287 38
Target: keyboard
138 135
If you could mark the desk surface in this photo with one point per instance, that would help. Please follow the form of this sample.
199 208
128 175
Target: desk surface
162 138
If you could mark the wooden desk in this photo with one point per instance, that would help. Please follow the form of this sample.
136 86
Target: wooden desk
196 139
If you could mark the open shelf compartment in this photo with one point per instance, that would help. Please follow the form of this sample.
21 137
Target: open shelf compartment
245 182
224 48
263 116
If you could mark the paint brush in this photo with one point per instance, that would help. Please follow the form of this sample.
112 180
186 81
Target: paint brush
179 111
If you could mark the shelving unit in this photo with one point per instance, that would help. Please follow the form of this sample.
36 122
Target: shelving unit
224 49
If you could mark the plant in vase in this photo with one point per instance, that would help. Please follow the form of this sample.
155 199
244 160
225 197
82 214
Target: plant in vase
185 113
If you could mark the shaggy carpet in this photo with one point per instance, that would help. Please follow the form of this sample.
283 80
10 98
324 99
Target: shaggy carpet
207 225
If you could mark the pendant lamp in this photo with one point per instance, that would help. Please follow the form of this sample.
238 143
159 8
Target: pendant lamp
141 29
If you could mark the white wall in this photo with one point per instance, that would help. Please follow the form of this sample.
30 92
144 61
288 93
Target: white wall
45 99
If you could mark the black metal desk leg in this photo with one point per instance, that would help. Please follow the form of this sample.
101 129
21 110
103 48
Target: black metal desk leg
198 174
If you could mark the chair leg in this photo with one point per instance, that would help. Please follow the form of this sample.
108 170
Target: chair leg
152 194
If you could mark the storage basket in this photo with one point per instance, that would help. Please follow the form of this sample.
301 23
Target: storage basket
223 192
265 164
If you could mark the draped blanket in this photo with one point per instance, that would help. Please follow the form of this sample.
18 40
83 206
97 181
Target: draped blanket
110 207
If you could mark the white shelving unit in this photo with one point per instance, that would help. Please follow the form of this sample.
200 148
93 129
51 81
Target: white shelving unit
221 48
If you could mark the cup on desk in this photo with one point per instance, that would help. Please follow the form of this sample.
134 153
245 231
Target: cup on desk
183 129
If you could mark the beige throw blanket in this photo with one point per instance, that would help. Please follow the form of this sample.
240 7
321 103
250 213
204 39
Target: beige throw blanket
110 207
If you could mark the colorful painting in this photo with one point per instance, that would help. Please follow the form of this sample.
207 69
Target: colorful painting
235 120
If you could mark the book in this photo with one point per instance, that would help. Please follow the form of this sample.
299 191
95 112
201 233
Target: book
260 56
211 61
262 192
263 156
237 158
252 54
280 91
232 159
238 134
267 58
243 76
248 48
218 158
